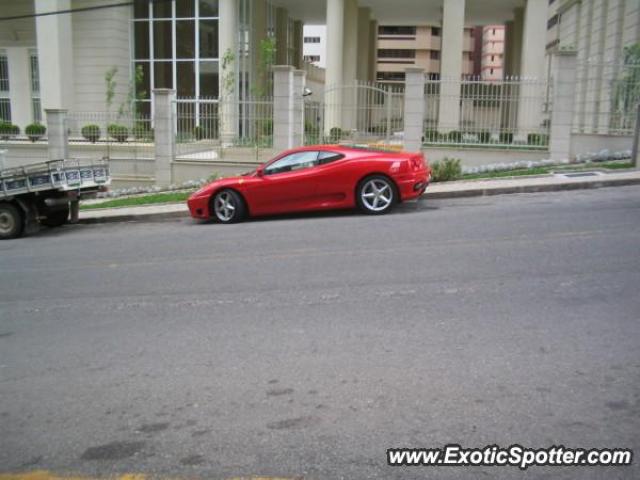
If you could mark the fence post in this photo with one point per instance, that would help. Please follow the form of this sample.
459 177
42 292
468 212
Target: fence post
413 108
164 133
563 103
282 107
636 140
299 82
57 134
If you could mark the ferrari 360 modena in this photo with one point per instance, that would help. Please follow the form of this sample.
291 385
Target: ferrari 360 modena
325 177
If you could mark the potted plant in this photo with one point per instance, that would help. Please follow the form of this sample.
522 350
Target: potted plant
35 131
91 132
8 130
118 132
142 131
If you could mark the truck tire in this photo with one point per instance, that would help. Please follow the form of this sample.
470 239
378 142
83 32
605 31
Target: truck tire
56 218
11 221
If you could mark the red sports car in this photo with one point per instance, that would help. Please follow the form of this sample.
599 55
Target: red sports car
324 177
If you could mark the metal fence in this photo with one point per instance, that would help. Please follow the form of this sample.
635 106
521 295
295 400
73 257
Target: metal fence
110 134
366 112
511 113
606 98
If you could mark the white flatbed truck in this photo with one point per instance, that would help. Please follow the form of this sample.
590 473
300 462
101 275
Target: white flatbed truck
47 193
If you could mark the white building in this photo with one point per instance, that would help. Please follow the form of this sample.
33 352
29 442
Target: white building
314 42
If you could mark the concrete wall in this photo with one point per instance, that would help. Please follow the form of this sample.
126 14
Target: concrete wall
475 157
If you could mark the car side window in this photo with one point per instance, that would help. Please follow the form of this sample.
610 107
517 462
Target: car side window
328 157
292 162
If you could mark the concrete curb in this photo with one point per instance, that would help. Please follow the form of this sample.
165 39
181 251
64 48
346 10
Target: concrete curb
552 187
470 192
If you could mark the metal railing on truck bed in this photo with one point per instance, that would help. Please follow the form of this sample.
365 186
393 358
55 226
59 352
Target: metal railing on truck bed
61 175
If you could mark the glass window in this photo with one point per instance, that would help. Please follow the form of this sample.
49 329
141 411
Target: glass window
4 73
36 110
34 72
208 39
162 9
163 75
141 33
293 161
185 39
209 79
208 8
162 40
5 110
185 8
328 157
186 78
144 88
141 8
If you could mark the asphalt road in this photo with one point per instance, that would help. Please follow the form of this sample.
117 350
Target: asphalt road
307 346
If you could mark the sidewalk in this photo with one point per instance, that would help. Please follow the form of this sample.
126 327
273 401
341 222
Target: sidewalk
464 188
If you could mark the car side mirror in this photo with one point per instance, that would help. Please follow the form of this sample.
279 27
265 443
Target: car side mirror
260 171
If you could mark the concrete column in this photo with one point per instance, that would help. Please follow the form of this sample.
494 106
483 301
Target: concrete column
335 58
20 83
364 56
516 41
451 65
282 36
297 43
564 66
413 108
57 134
283 107
532 68
228 47
55 55
373 50
258 35
164 133
299 82
350 65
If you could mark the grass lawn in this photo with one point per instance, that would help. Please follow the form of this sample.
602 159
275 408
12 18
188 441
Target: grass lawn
150 199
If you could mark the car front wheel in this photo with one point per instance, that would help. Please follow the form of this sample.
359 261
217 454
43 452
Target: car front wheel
376 195
228 207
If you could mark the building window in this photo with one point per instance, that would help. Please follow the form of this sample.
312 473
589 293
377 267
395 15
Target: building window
435 54
4 73
391 76
311 58
396 30
311 39
435 31
36 108
176 46
5 109
396 53
553 21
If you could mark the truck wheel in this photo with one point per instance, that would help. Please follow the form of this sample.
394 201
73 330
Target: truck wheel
57 218
11 221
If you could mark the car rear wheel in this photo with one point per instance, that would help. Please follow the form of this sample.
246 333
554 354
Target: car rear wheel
11 221
376 195
228 207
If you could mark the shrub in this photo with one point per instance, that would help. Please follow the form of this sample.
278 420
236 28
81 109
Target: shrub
264 127
118 132
431 135
8 130
506 138
538 139
142 131
335 134
455 136
91 133
34 131
446 169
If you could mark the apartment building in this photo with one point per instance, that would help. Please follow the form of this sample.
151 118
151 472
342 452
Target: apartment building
314 45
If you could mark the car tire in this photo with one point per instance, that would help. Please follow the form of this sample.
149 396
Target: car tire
376 195
56 218
227 206
11 221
